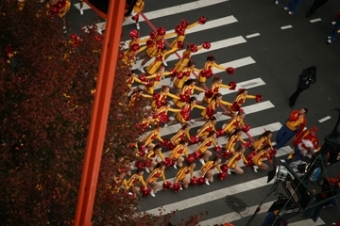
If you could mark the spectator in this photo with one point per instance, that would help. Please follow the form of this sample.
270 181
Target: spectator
317 4
336 23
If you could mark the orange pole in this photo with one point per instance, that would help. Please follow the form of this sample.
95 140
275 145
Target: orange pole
100 113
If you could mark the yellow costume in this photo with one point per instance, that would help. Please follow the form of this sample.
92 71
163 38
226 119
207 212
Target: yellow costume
133 181
131 79
215 88
154 134
209 111
182 173
184 114
210 165
182 76
153 154
206 129
178 151
129 56
186 92
159 58
230 145
161 114
237 156
202 148
160 99
260 143
154 175
180 135
186 55
139 6
157 77
207 72
258 158
236 122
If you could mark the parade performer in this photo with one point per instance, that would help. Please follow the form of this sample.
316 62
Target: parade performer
129 57
131 78
154 134
136 96
235 123
255 159
207 72
161 114
215 102
154 176
133 181
180 136
241 97
118 183
177 153
230 145
208 127
237 156
152 81
60 8
188 89
208 168
184 115
182 76
293 126
202 153
124 166
137 10
159 99
180 30
215 88
181 176
153 156
146 122
263 140
158 60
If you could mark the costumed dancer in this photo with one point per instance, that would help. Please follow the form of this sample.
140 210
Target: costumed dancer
161 114
60 8
131 78
215 88
152 81
208 127
154 134
179 136
124 166
178 152
146 122
154 176
132 183
263 140
129 56
159 99
136 96
235 123
152 157
202 153
256 161
237 156
137 10
158 60
181 176
188 89
184 115
180 30
118 183
182 76
207 71
208 168
156 39
241 97
215 102
186 55
233 139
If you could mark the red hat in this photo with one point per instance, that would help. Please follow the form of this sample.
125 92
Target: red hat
314 129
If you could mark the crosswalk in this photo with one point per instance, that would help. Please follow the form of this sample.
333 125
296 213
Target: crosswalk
205 197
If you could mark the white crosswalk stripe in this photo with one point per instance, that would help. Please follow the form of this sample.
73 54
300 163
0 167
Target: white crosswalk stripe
243 59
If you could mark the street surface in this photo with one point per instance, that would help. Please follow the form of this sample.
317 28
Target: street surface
269 49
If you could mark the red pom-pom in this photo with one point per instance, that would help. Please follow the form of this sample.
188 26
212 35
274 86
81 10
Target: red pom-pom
230 70
145 190
149 83
258 97
209 94
166 185
235 107
226 154
246 128
206 45
198 154
135 17
201 180
176 187
193 180
222 175
180 45
247 144
224 167
191 158
179 75
135 47
179 30
121 55
232 85
147 163
193 48
134 34
150 43
220 132
139 165
164 143
202 20
170 146
184 98
168 162
194 139
153 35
142 78
217 148
161 31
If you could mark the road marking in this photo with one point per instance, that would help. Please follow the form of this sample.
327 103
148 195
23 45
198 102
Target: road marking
224 43
315 20
208 25
253 35
324 119
247 109
286 27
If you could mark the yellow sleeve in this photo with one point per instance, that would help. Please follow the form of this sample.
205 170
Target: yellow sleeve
146 96
229 144
185 152
163 176
244 158
151 76
219 67
142 181
214 142
229 125
192 25
143 40
196 70
173 96
270 142
201 130
187 134
199 47
219 168
135 79
141 49
199 88
159 137
224 86
199 107
241 140
167 73
125 184
241 123
160 154
259 145
174 110
225 103
250 96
